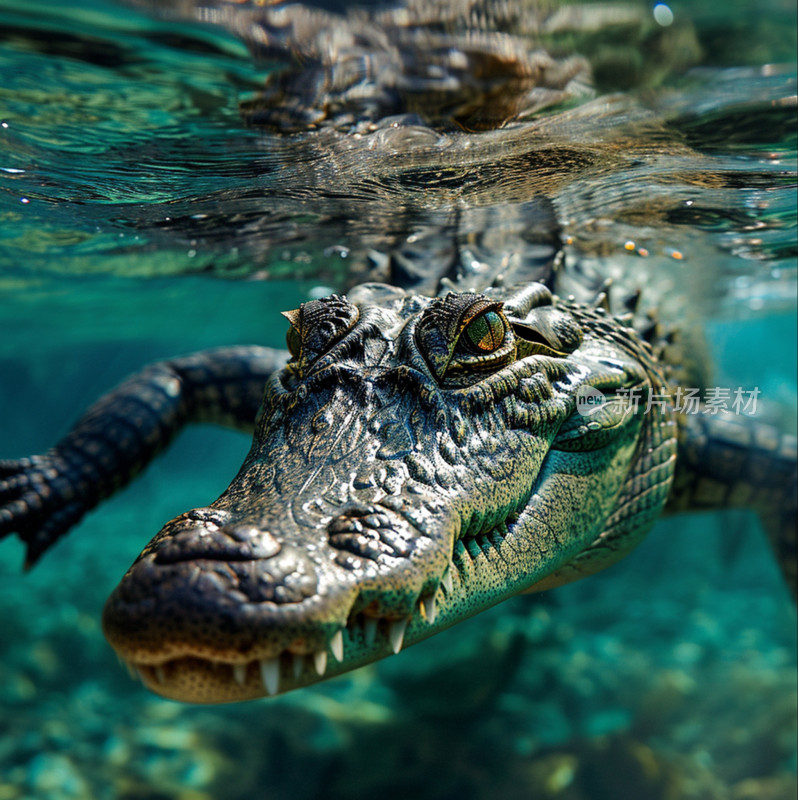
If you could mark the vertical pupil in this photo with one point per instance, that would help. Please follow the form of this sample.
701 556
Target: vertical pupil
486 332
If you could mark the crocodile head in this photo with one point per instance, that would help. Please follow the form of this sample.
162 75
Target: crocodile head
417 461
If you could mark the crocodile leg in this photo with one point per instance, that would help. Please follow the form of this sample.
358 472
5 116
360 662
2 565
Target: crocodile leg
731 461
42 496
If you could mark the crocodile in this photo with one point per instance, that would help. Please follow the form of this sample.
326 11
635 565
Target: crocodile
415 460
424 449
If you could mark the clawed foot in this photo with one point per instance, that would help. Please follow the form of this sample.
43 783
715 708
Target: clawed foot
37 502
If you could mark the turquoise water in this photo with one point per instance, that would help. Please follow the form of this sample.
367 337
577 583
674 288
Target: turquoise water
139 218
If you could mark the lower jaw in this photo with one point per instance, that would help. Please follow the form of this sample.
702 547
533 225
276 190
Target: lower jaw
205 679
190 679
198 680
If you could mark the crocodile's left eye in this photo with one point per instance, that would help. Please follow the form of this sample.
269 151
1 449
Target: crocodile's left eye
293 340
317 325
463 337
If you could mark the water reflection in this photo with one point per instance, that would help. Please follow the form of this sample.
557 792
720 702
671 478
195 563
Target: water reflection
141 150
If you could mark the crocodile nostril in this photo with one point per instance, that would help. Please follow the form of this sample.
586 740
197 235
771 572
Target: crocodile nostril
261 543
367 531
230 543
209 516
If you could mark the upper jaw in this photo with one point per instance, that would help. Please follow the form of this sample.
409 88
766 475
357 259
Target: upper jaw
210 614
219 608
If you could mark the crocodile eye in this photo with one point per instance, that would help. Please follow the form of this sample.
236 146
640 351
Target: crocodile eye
317 325
293 340
463 337
486 332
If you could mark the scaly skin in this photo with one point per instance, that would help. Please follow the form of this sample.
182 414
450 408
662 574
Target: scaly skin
395 468
416 461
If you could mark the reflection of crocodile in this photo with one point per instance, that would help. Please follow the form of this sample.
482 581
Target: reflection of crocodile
381 105
422 455
472 64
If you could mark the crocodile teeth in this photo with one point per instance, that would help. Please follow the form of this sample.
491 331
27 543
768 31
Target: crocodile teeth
160 675
428 604
396 634
270 674
369 630
337 646
132 671
240 673
298 664
446 580
320 661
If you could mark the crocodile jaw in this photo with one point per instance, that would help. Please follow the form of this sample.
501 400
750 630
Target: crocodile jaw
272 587
187 627
375 509
288 646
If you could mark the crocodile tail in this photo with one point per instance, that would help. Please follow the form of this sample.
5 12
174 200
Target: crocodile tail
732 461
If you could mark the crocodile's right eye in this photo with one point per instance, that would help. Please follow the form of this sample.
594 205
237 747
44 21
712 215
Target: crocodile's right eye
317 325
486 333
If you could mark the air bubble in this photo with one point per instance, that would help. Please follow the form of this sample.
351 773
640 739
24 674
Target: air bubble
663 15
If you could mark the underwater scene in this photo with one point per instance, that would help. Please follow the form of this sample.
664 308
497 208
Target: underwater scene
175 175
